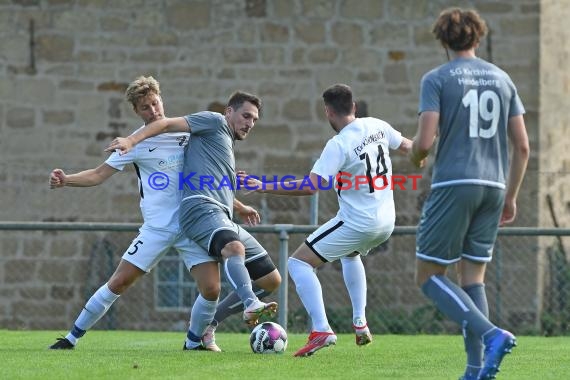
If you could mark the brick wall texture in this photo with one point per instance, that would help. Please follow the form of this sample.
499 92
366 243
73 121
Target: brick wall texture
64 65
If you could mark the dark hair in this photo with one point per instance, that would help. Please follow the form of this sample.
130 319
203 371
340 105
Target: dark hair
339 98
361 108
459 29
239 97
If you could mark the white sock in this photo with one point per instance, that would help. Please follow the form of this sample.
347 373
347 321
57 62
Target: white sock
355 281
72 339
93 310
201 315
309 290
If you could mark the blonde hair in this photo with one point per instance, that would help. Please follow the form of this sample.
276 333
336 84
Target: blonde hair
141 87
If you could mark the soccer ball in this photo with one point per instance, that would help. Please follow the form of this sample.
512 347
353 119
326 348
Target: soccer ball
268 338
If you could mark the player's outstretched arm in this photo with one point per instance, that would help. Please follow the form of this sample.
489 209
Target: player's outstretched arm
86 178
169 124
309 185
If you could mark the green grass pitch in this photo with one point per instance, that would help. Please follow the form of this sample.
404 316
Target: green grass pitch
159 355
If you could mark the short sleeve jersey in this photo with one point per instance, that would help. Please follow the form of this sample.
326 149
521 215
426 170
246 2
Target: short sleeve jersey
356 159
209 167
475 100
157 161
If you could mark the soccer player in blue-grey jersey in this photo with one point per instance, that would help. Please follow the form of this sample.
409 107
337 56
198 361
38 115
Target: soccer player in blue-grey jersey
214 179
476 94
209 181
474 108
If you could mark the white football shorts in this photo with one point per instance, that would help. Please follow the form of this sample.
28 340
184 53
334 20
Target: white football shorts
335 240
150 246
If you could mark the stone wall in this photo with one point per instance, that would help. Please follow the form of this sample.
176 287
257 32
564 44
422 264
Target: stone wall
64 65
552 150
554 121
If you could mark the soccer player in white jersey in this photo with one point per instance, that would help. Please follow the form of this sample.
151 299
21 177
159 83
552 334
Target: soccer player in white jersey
475 109
366 213
158 162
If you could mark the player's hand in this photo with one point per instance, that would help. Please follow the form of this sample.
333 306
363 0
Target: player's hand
248 183
421 163
57 178
509 212
123 144
249 215
416 161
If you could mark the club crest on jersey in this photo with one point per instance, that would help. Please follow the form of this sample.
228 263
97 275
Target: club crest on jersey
182 140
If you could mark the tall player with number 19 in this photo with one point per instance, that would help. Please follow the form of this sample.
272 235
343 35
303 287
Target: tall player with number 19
366 213
475 108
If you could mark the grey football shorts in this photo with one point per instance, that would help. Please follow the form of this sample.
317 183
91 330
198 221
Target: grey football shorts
204 221
459 221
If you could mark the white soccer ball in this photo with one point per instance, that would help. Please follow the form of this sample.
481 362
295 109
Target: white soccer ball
268 338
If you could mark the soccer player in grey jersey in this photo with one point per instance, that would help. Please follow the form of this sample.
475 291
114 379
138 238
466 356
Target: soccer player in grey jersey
474 107
209 189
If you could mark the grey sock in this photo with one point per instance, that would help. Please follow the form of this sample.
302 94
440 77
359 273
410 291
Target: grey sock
474 344
200 316
238 276
452 301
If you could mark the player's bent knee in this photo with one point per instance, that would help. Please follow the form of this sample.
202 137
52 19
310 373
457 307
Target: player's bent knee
276 280
270 282
210 293
120 282
119 285
227 239
233 248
